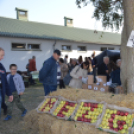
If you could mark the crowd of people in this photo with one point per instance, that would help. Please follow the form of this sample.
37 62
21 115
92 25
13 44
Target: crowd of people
55 72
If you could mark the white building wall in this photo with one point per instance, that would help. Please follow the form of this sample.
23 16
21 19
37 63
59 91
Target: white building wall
21 57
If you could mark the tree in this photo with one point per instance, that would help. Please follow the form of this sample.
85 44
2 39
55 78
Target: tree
115 13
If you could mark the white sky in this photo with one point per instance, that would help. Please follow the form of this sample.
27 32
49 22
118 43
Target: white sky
52 11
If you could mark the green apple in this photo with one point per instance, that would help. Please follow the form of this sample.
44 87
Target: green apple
124 118
75 118
125 126
128 121
114 121
107 111
108 115
129 116
123 131
115 125
111 111
105 115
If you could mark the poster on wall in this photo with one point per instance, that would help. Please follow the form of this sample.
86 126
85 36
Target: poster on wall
130 42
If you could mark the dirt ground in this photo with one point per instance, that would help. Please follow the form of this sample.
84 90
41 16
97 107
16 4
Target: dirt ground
31 99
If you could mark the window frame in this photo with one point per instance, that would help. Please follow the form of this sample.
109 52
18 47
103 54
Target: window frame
83 50
17 49
66 50
33 49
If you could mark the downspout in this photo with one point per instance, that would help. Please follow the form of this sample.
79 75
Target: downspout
54 45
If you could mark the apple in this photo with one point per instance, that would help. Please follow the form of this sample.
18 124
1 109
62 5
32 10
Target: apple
126 113
115 125
79 119
128 121
86 113
110 125
110 120
72 104
118 112
89 104
95 105
125 126
123 131
111 112
92 109
107 111
85 104
66 103
116 129
89 120
108 115
122 113
114 121
111 128
113 116
120 127
119 123
129 116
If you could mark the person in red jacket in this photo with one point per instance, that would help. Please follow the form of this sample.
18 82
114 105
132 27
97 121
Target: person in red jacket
32 64
32 67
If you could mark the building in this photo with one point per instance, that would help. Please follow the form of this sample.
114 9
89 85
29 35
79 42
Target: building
22 39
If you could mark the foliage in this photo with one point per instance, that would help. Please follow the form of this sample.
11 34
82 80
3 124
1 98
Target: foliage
110 12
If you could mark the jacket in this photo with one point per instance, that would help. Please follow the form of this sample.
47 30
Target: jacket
76 73
18 82
115 76
32 65
5 87
58 73
64 70
48 73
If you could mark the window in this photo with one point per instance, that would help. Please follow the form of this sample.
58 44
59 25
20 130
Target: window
33 47
106 48
103 48
22 13
66 48
18 46
81 48
69 21
110 48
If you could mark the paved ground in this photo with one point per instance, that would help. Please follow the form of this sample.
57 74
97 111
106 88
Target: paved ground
31 99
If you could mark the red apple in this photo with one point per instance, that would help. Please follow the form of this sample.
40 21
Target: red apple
95 105
110 125
79 119
82 119
86 113
122 113
67 103
72 104
119 123
85 120
118 112
83 115
110 120
116 129
120 127
89 104
123 123
111 128
85 104
89 120
113 116
126 113
92 109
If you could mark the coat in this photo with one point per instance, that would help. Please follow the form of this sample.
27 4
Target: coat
32 65
18 82
76 73
115 76
48 73
64 70
5 87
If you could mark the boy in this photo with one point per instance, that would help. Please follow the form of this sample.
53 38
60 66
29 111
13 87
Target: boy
17 88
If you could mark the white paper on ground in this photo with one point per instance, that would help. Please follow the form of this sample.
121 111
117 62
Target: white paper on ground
89 87
130 42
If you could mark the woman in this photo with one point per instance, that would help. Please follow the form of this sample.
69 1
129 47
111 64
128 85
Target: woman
77 73
4 89
114 72
90 69
80 60
64 71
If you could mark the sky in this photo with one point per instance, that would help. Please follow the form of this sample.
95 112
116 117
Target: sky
52 12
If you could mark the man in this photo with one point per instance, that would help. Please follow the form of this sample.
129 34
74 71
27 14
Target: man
32 67
32 64
48 73
66 59
4 88
103 68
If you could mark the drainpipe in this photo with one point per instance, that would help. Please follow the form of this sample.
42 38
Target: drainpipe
54 45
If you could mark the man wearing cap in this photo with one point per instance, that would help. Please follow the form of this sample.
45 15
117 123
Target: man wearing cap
48 73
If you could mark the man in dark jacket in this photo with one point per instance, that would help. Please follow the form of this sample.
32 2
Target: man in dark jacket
103 68
48 73
4 89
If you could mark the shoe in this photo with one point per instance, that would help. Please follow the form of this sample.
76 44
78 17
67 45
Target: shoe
8 118
24 113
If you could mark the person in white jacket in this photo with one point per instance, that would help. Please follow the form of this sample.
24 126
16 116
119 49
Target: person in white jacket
77 74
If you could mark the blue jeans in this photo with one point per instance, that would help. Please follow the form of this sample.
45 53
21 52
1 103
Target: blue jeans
0 101
49 88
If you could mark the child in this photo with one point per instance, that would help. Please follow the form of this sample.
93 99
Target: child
17 88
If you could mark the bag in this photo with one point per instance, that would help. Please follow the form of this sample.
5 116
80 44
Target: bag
68 78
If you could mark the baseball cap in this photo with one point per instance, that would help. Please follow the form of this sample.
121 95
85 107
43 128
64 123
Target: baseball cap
58 52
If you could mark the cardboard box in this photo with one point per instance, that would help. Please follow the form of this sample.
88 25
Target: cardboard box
85 86
96 87
90 79
90 87
121 89
104 88
101 79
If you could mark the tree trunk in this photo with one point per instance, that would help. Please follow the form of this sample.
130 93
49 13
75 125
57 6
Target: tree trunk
127 54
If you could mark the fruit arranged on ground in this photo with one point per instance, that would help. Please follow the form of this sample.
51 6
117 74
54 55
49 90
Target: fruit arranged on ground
116 120
88 112
65 108
48 104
